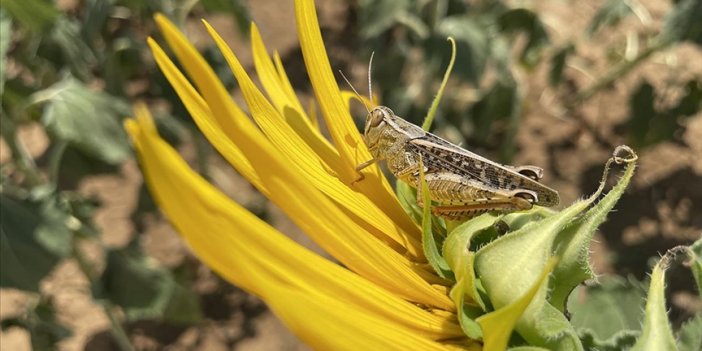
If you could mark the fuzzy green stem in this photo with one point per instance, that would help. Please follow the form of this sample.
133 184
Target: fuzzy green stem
435 103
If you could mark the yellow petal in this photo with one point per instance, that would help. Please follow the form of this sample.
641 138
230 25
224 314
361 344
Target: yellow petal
289 108
201 114
350 95
250 253
311 210
285 82
269 76
341 126
312 113
328 324
347 139
307 163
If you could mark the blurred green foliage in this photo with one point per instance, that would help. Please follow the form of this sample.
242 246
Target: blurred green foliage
498 44
70 71
74 72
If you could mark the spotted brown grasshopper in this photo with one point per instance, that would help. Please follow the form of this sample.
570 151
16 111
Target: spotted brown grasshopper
463 184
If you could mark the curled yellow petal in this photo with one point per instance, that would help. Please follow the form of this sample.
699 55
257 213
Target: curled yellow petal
250 253
307 163
316 214
203 117
348 141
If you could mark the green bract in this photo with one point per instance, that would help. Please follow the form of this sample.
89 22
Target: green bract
520 281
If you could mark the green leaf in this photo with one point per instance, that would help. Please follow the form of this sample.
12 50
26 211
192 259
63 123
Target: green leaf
690 334
237 8
695 255
473 45
683 23
691 102
377 16
649 125
642 112
95 15
622 340
76 53
34 238
408 200
558 63
529 23
602 311
5 36
144 290
609 15
44 330
36 15
657 333
499 102
87 119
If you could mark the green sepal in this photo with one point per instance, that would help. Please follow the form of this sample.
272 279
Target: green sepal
657 333
460 258
509 265
456 251
498 325
607 316
573 244
429 242
408 200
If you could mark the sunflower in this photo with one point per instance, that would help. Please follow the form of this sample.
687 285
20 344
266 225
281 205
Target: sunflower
383 292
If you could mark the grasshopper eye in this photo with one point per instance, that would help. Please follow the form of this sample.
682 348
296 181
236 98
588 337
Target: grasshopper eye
376 118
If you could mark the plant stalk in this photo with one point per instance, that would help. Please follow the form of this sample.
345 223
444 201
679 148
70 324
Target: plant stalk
617 72
118 332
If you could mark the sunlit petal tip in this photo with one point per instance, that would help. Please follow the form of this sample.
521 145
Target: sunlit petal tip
143 117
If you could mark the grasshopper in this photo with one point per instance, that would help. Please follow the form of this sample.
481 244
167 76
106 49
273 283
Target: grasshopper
461 183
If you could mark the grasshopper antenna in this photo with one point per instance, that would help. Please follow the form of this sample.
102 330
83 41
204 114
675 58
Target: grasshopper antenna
370 86
354 90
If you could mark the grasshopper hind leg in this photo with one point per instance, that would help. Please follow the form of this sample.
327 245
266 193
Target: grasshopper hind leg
477 207
462 198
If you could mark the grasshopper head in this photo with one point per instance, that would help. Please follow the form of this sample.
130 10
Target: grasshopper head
376 121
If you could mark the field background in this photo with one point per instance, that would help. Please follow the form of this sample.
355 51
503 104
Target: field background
661 209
